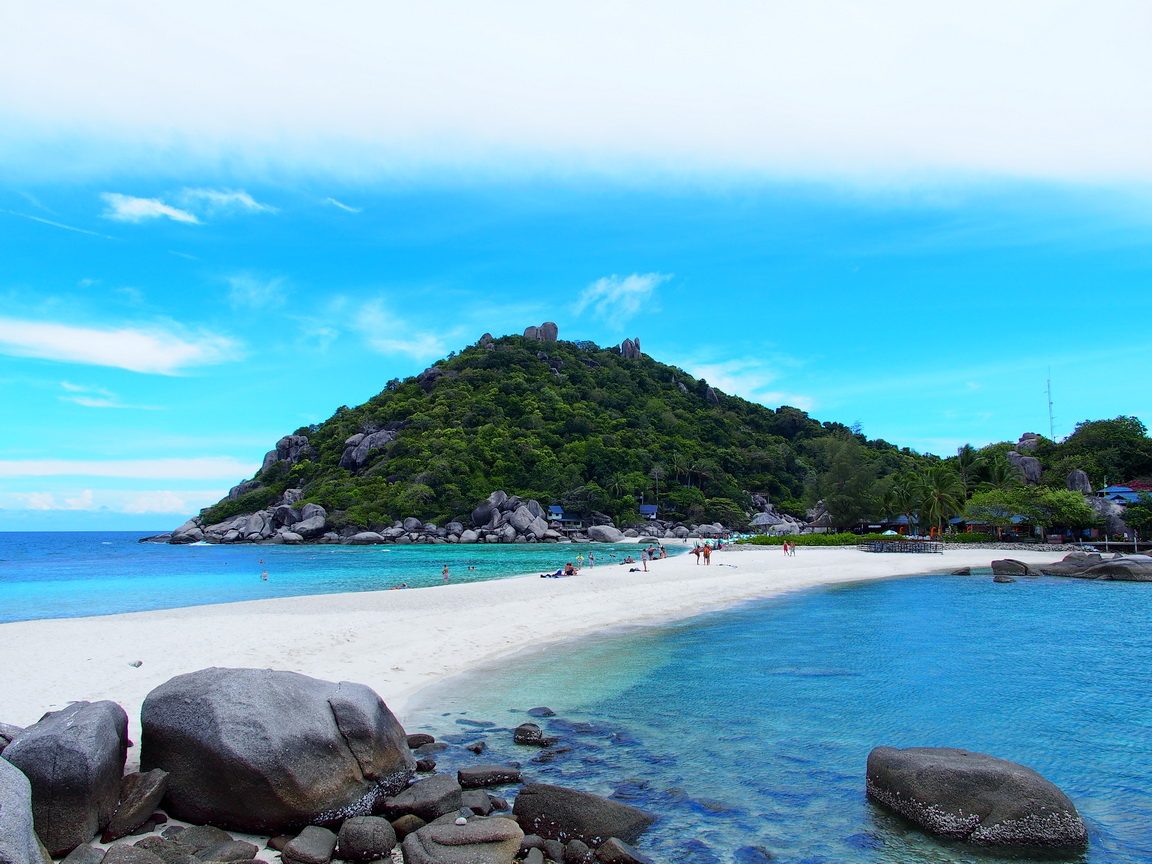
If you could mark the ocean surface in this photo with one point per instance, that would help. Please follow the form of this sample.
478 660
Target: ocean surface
74 574
747 731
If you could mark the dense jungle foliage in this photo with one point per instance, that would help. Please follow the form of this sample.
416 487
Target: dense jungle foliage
607 433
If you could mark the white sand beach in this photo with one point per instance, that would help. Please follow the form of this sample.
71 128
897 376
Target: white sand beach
398 642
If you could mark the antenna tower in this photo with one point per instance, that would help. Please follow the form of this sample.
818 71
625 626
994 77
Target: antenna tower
1051 422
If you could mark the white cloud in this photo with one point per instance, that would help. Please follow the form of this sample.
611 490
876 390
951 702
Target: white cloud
155 350
387 334
617 299
248 290
826 86
223 200
83 501
342 206
178 503
126 208
94 397
195 468
40 501
157 502
752 378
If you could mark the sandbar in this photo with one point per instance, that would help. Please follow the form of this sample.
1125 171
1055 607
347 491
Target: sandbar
398 642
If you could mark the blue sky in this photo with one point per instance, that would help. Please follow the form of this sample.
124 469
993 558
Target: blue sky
218 226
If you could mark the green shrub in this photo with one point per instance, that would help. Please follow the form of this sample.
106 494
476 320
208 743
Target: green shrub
971 537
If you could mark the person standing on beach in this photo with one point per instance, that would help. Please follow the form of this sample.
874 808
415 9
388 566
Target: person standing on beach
696 552
579 562
591 560
445 572
707 554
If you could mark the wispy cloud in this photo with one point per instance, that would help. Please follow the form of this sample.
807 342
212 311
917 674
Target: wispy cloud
47 501
343 206
752 378
196 468
58 224
126 208
384 332
175 502
183 255
95 397
155 350
617 299
255 293
223 200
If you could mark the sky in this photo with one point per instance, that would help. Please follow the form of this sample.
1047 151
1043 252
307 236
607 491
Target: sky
220 222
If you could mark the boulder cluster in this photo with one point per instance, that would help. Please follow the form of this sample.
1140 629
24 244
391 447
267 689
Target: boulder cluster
500 518
323 769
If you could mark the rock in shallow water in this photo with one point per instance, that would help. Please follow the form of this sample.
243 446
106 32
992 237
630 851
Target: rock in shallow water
974 797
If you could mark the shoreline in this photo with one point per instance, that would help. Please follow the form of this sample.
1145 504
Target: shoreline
400 642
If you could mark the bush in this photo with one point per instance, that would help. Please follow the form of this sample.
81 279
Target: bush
971 537
846 539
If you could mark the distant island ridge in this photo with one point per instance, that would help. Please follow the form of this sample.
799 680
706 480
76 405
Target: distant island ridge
529 438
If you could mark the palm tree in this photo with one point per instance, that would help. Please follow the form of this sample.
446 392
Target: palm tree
1002 476
905 496
943 495
656 473
968 461
679 465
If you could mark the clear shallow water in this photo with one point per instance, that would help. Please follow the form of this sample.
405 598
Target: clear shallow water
749 730
74 574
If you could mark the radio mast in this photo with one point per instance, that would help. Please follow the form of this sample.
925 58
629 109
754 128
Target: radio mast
1051 422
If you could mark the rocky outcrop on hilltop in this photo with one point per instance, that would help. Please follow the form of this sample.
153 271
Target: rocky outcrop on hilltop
291 449
546 332
630 349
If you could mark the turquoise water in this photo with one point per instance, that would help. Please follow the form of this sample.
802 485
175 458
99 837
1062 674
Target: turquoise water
747 732
73 574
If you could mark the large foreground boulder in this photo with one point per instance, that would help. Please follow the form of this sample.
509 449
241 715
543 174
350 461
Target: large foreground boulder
267 752
973 797
558 813
74 759
18 841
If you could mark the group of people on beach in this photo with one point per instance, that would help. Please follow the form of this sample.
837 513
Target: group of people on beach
704 550
789 549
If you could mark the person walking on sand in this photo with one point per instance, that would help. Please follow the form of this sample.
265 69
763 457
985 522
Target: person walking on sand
445 572
707 554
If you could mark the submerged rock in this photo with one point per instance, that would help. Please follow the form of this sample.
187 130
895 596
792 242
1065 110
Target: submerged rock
973 797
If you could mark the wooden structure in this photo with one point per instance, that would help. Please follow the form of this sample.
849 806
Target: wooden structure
901 544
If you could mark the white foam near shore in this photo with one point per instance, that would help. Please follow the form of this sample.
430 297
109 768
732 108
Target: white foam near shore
398 642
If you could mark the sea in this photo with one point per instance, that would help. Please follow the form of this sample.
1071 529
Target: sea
74 574
745 732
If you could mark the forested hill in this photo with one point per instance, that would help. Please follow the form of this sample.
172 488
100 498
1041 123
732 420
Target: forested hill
563 422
